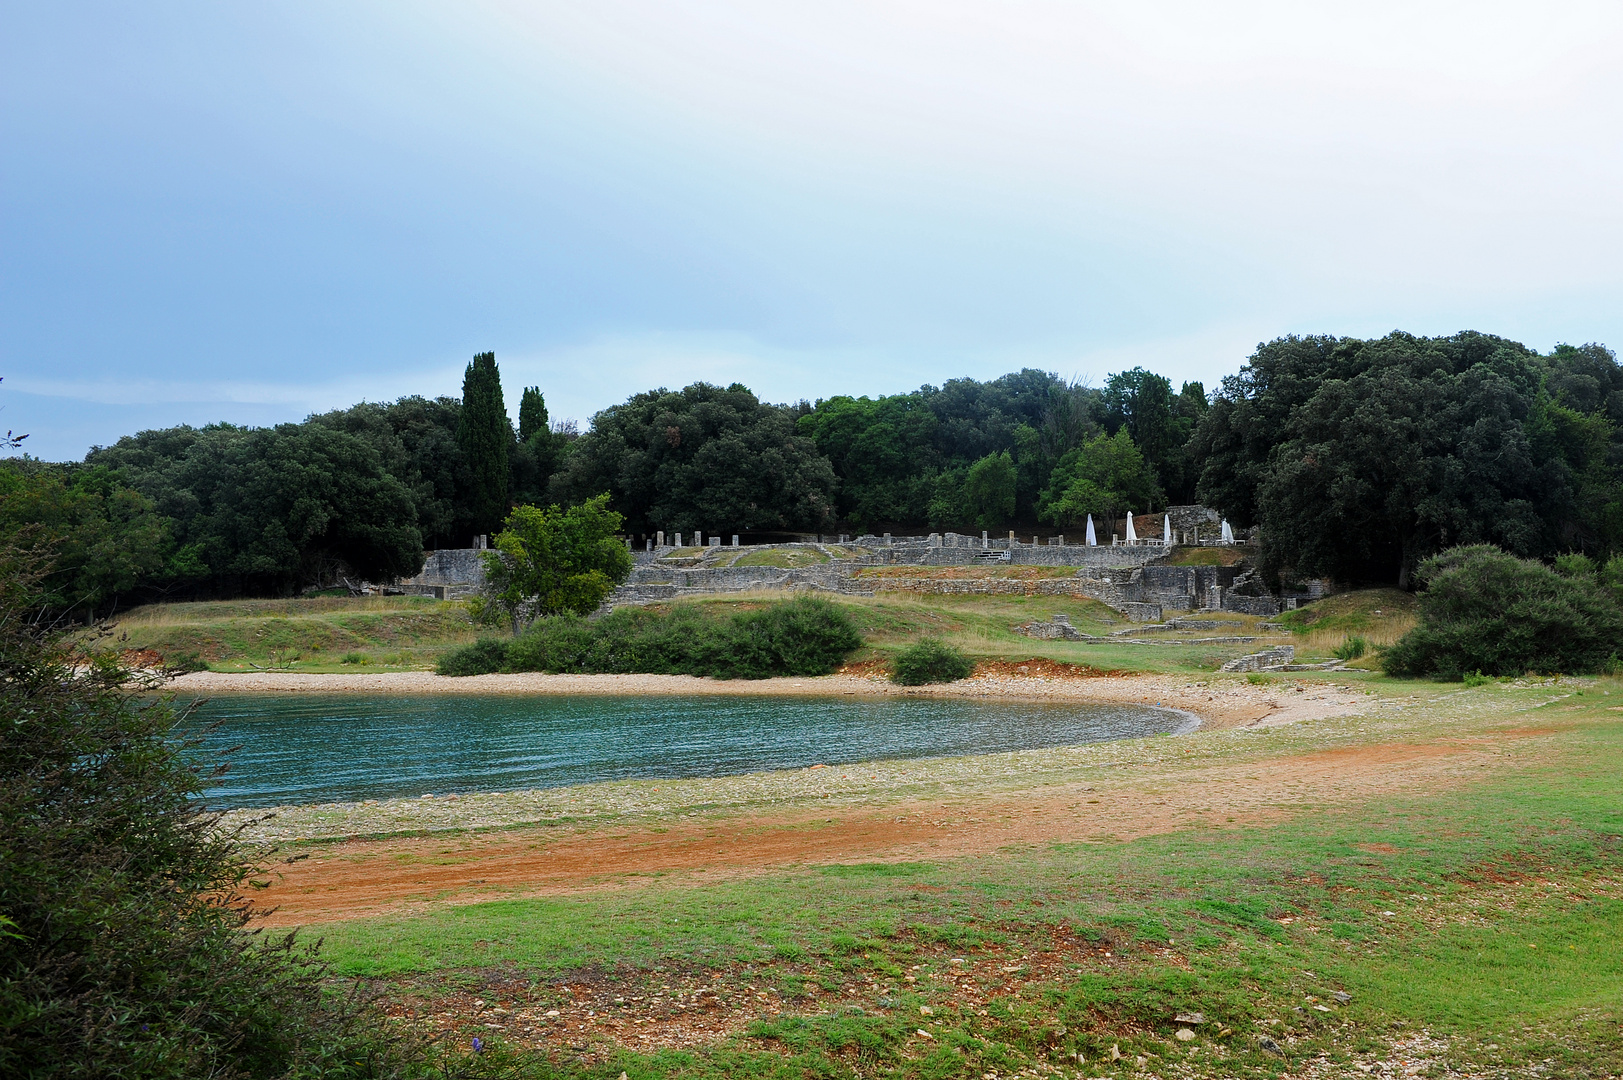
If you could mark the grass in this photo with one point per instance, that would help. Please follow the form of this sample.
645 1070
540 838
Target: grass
325 633
1479 926
1379 616
1206 556
787 558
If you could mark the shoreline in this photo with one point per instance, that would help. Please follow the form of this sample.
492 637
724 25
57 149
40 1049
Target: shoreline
1218 703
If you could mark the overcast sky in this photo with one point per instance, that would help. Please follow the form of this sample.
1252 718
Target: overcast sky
249 212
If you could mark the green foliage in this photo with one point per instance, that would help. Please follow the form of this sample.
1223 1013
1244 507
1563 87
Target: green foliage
481 657
1260 678
1362 458
930 661
805 636
1351 649
904 458
532 414
268 510
989 488
1106 477
1474 679
106 539
486 437
1142 404
124 947
1486 611
705 458
556 561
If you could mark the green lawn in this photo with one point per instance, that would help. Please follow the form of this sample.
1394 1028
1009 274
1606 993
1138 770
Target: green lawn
1475 927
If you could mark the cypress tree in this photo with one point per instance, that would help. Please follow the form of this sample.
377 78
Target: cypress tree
532 414
486 437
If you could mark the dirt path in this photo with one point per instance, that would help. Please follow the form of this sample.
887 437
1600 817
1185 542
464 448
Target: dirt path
364 878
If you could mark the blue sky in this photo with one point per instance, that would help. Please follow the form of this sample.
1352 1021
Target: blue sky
250 212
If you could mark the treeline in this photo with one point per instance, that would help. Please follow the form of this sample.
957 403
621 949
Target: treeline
1356 458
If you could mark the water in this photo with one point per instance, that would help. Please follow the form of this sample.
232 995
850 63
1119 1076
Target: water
298 749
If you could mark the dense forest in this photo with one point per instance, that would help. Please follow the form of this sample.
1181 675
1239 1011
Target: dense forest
1355 459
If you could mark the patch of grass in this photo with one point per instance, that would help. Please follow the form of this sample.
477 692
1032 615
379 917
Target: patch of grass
1205 556
788 558
1378 617
237 634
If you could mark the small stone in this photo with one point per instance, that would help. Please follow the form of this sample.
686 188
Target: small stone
1115 1051
925 1010
1342 996
1190 1018
1184 1035
925 1034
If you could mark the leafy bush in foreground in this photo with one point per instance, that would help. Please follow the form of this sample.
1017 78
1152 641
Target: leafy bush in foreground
124 942
1488 612
797 637
930 661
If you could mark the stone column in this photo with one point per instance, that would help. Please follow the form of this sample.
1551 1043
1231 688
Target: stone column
659 537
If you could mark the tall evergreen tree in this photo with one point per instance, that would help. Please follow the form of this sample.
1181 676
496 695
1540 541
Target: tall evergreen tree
532 414
486 436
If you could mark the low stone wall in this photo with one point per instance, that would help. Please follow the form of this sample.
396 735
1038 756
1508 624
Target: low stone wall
1266 660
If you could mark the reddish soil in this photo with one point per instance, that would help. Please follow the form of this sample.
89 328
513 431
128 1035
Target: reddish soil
361 878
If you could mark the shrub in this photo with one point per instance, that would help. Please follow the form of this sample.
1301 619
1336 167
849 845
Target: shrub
805 636
1473 679
125 947
355 658
481 658
930 661
1257 678
1486 611
1351 649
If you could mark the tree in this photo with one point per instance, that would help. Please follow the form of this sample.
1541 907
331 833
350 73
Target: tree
268 510
125 941
108 540
486 437
989 490
532 414
1362 458
1105 477
556 561
703 457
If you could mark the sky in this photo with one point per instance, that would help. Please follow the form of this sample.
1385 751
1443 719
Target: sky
252 212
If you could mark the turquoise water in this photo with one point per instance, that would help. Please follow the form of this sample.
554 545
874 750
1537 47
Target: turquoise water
299 748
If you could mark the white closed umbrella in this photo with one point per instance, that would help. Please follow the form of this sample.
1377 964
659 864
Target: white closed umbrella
1228 533
1132 537
1093 540
1166 529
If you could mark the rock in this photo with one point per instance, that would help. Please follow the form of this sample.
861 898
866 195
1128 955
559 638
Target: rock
925 1010
925 1034
1269 1046
1184 1035
1115 1052
1342 996
1190 1018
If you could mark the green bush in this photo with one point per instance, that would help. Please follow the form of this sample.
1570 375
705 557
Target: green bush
355 658
126 943
1486 611
797 637
930 661
1474 679
1351 649
480 658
